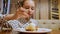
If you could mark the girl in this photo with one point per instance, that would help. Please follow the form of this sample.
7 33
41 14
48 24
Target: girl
22 17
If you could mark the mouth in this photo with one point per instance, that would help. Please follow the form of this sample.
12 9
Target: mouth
29 14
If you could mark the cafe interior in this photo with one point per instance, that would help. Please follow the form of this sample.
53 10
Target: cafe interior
47 15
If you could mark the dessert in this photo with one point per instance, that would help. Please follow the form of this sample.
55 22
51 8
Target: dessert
31 27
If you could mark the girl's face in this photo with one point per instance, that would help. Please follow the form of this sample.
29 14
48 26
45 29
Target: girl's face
29 7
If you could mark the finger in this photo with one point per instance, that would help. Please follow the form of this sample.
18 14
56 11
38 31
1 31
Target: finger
26 14
24 10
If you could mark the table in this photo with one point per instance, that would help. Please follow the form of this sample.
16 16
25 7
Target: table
14 32
34 33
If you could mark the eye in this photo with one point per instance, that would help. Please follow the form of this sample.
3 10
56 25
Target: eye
32 8
26 7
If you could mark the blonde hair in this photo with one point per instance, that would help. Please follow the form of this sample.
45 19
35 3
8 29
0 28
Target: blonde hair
21 3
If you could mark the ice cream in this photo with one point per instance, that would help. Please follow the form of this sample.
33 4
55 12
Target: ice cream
31 27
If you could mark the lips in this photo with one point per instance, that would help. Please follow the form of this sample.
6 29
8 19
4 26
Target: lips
30 13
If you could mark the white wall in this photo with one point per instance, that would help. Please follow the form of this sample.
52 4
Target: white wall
37 9
44 9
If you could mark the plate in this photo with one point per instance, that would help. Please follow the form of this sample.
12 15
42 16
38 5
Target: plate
40 30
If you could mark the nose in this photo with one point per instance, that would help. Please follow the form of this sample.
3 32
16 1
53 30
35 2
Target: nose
30 11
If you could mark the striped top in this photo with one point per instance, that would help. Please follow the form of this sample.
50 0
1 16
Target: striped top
16 24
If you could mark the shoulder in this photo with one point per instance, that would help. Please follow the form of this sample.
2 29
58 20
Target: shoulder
34 21
13 22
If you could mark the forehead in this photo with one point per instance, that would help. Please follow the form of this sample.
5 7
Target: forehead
29 2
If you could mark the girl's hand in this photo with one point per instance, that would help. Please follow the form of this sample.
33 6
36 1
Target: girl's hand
22 12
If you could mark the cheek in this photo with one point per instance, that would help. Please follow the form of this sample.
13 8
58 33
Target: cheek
31 12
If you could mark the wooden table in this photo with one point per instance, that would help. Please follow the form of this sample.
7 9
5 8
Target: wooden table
33 33
14 32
